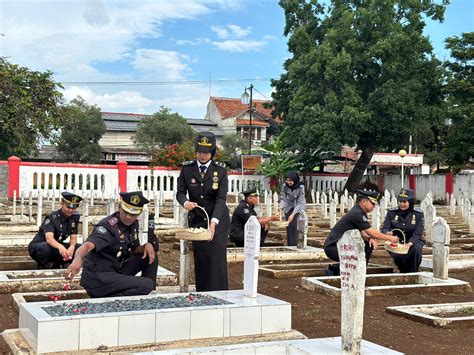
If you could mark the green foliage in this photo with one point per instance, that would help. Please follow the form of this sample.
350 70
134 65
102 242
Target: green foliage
232 147
29 110
161 129
174 155
279 162
460 93
361 73
82 128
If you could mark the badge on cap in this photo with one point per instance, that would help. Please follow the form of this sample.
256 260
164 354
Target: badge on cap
135 199
205 142
75 199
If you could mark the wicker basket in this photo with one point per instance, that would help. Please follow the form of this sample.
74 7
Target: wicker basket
397 248
195 233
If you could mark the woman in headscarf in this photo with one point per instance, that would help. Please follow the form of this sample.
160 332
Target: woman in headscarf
293 202
411 222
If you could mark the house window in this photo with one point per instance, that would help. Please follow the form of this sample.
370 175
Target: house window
259 134
239 131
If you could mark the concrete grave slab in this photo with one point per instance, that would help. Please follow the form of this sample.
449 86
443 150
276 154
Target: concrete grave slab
45 333
53 280
380 284
455 261
316 268
285 347
278 253
439 315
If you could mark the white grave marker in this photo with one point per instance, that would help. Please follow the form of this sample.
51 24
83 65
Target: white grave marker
183 254
430 214
39 218
302 228
353 270
251 252
441 241
332 213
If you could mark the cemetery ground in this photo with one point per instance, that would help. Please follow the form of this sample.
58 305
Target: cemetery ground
317 315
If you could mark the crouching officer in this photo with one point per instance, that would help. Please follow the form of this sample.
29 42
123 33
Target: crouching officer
356 218
49 244
112 255
411 222
241 215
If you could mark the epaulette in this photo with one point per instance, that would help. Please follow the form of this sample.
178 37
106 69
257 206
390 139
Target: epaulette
112 221
417 209
218 163
189 162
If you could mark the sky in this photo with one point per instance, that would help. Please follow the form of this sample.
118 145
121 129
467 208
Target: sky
137 55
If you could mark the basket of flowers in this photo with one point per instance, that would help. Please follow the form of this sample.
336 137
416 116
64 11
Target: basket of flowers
195 233
397 248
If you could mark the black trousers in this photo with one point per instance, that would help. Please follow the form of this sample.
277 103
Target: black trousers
125 283
43 253
411 261
332 253
291 230
240 243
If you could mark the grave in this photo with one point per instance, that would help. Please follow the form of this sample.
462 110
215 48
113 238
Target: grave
286 271
389 284
439 315
278 253
236 315
455 261
53 280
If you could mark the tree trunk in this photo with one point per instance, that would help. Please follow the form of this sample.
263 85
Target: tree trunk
360 166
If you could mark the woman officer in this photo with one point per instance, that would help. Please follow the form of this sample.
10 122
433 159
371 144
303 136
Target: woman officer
411 222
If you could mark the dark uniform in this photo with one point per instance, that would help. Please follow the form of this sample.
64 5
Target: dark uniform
62 228
355 218
412 223
110 268
208 190
240 216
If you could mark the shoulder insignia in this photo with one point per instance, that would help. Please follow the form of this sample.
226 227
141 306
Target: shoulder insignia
364 218
246 211
417 209
218 163
112 221
189 162
47 221
101 229
55 216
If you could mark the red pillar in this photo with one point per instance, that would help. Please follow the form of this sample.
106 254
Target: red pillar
122 175
412 182
13 175
449 183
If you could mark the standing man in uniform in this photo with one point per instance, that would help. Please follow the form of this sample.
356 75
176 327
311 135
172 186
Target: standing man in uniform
49 244
356 218
241 215
411 222
112 255
203 182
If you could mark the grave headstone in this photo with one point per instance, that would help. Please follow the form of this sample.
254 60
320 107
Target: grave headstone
376 217
157 207
302 228
332 213
14 202
252 231
441 241
275 203
85 218
183 254
461 205
318 197
452 205
268 203
430 215
144 233
353 272
346 194
394 200
383 208
350 204
342 205
324 208
313 197
336 197
39 214
467 210
22 204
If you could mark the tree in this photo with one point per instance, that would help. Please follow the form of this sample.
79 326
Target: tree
174 155
232 147
460 92
82 128
29 109
161 129
361 74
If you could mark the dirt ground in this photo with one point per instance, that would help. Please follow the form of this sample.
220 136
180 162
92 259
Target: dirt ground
318 316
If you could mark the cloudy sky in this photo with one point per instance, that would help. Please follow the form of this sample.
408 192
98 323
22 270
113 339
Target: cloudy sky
136 55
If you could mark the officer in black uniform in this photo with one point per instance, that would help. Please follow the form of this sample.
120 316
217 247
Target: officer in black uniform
49 244
356 218
241 215
205 182
112 255
411 222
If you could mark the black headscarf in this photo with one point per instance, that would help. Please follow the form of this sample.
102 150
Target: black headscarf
293 175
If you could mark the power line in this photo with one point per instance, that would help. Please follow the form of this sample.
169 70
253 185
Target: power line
163 83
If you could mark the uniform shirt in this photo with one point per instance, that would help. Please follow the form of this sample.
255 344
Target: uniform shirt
356 218
293 199
114 242
59 225
209 192
240 216
412 225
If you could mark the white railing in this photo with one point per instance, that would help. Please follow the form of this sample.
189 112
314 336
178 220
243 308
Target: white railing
151 181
